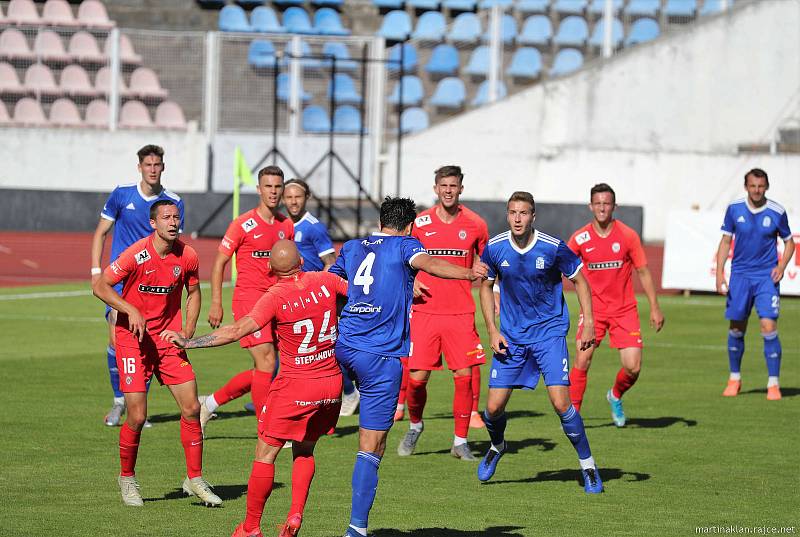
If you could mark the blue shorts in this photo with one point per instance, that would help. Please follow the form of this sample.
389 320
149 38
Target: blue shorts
378 379
746 291
118 289
522 365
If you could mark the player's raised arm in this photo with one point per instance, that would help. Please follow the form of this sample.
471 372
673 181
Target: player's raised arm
722 255
584 292
443 269
486 295
215 312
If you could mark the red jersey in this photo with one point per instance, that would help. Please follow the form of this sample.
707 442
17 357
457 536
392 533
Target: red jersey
154 286
251 238
304 308
607 265
458 243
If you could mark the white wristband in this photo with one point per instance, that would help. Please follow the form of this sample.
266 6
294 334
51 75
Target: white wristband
96 270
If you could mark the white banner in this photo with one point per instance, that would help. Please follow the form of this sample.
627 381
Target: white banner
690 253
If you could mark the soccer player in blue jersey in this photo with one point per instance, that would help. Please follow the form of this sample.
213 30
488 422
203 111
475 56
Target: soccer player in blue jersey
755 223
374 333
127 210
534 323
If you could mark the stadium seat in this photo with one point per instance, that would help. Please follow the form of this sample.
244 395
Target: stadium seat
296 21
332 3
343 89
424 4
305 51
39 80
261 53
478 62
49 47
598 7
443 61
459 5
5 119
92 13
396 26
232 18
711 7
145 84
341 53
388 4
248 4
599 31
127 54
28 112
526 63
14 46
482 96
64 113
642 8
284 89
347 120
410 57
466 29
134 115
97 114
572 31
642 30
537 30
566 61
316 119
83 48
102 82
9 81
681 8
450 93
533 6
211 4
413 120
169 115
288 2
489 4
327 22
412 91
58 13
569 6
75 81
264 19
22 12
508 30
431 26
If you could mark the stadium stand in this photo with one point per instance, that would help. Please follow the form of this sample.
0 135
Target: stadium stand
712 7
466 29
315 119
526 64
569 6
482 97
396 26
388 4
92 13
572 32
413 120
508 31
102 83
643 8
412 91
478 65
342 54
443 61
598 33
424 4
83 48
58 13
284 89
459 5
40 81
410 58
49 48
145 85
263 19
64 113
343 89
598 7
347 120
169 115
680 8
327 22
21 12
4 117
566 61
296 21
29 113
431 26
533 6
450 94
14 46
10 84
134 115
261 53
232 18
75 82
97 114
537 30
641 31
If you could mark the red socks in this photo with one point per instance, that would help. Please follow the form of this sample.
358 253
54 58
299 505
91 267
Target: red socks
235 388
476 387
128 450
577 386
416 398
260 390
302 474
401 400
462 405
623 383
259 487
192 440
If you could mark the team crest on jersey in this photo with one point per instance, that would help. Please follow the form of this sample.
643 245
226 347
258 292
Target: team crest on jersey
462 234
298 236
142 256
281 235
249 224
540 262
176 271
766 221
128 380
582 237
615 247
423 220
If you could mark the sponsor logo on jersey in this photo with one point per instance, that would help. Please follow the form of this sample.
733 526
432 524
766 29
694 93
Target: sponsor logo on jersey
605 265
429 233
766 221
249 224
226 243
156 289
258 235
365 242
582 237
364 307
260 254
504 263
540 262
447 252
319 402
589 250
115 267
462 234
615 247
130 206
423 220
149 271
740 219
298 236
142 256
176 271
184 363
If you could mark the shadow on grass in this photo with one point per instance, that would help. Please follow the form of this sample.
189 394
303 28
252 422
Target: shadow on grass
512 446
785 392
494 531
346 430
511 414
607 474
226 492
650 423
164 418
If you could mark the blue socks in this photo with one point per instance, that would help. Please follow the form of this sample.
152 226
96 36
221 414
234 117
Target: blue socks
365 485
496 427
113 372
572 424
347 383
735 350
772 353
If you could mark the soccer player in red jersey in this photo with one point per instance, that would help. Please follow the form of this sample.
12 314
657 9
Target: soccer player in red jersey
154 271
443 312
251 237
304 400
610 250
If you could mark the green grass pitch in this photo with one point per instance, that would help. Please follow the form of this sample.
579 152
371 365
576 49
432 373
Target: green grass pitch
689 457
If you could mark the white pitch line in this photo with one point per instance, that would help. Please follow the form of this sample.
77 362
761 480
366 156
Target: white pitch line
52 318
66 294
718 348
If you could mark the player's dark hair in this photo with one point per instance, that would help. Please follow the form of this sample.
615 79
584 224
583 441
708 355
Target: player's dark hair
160 203
756 172
270 170
298 182
520 195
148 150
602 187
397 213
448 171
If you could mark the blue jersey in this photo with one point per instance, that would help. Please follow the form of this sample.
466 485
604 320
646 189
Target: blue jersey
532 305
312 241
129 209
380 289
755 231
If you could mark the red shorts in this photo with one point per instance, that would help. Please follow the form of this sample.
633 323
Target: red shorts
624 330
266 335
301 409
453 335
138 364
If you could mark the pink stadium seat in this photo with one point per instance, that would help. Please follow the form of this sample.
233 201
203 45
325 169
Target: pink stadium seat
22 12
83 47
145 84
102 82
97 114
29 112
2 21
14 46
169 115
48 47
4 119
74 81
134 115
9 81
64 113
58 13
92 13
126 52
39 79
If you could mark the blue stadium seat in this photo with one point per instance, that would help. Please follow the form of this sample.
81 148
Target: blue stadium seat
424 4
482 97
599 29
526 63
388 4
296 21
284 89
288 2
305 50
711 7
413 120
508 30
410 58
566 61
332 3
533 6
261 53
327 22
347 120
264 19
450 93
643 8
460 5
443 60
345 91
430 27
396 26
642 30
250 3
479 62
412 91
572 31
537 30
466 29
339 50
232 18
569 6
316 119
681 8
598 7
489 4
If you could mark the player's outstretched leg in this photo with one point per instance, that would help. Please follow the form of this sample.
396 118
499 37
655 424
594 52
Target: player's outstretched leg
114 416
735 353
462 407
572 424
772 355
416 397
475 419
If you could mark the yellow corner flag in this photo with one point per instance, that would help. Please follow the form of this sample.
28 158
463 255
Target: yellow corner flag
241 176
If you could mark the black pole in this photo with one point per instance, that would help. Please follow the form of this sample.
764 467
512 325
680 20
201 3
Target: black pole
275 108
361 135
400 116
330 140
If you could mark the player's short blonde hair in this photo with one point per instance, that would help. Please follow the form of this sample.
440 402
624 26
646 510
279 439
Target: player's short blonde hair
521 195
